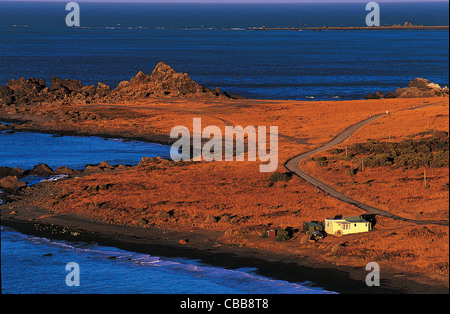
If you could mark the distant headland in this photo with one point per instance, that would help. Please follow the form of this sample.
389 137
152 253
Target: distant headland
406 26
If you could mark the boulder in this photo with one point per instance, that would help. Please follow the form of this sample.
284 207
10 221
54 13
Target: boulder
22 91
105 165
7 171
22 86
419 83
64 170
92 169
67 84
6 95
183 241
88 90
102 90
414 92
11 184
434 86
140 78
390 94
377 95
145 161
3 127
41 170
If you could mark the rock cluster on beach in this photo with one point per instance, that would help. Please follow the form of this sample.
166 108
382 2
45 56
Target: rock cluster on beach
10 183
418 88
163 82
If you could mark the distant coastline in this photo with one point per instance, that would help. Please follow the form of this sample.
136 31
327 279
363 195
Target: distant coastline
406 26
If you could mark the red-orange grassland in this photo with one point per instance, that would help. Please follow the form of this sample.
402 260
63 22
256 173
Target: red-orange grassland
236 199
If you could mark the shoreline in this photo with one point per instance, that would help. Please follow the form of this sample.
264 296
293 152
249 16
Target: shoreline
164 243
154 139
354 28
290 267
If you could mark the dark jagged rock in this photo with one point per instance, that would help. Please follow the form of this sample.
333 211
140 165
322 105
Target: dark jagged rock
41 170
164 81
419 83
67 85
6 95
11 184
22 90
22 86
7 171
418 88
377 95
64 170
105 165
4 127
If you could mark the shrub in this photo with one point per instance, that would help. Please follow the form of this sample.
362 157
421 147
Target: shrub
277 176
282 235
351 171
163 214
409 153
321 161
382 160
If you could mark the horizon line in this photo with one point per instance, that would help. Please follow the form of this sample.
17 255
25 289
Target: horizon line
234 1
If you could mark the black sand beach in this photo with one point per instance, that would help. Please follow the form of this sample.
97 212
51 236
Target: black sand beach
203 246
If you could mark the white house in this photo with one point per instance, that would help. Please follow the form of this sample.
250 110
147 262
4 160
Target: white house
347 225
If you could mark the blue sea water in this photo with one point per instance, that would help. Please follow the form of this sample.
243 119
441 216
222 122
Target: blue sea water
37 265
212 44
27 149
25 269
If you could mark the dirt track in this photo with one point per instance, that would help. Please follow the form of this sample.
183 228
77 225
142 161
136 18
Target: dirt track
293 166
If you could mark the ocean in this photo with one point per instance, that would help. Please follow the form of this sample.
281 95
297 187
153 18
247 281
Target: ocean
217 46
38 266
212 43
27 267
27 149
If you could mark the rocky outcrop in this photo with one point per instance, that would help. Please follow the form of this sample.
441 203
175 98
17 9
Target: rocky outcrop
164 81
418 88
11 184
8 171
42 170
4 127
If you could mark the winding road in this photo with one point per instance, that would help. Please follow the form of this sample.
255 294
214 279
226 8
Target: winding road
293 166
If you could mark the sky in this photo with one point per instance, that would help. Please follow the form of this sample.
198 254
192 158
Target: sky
233 1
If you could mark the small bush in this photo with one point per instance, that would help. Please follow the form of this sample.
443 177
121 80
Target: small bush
321 161
282 235
277 176
351 171
163 214
409 153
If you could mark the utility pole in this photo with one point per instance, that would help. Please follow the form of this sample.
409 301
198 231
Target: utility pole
425 176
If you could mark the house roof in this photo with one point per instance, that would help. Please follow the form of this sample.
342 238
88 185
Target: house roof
355 219
314 224
351 219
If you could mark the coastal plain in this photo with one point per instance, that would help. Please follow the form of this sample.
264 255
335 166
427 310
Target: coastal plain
215 208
